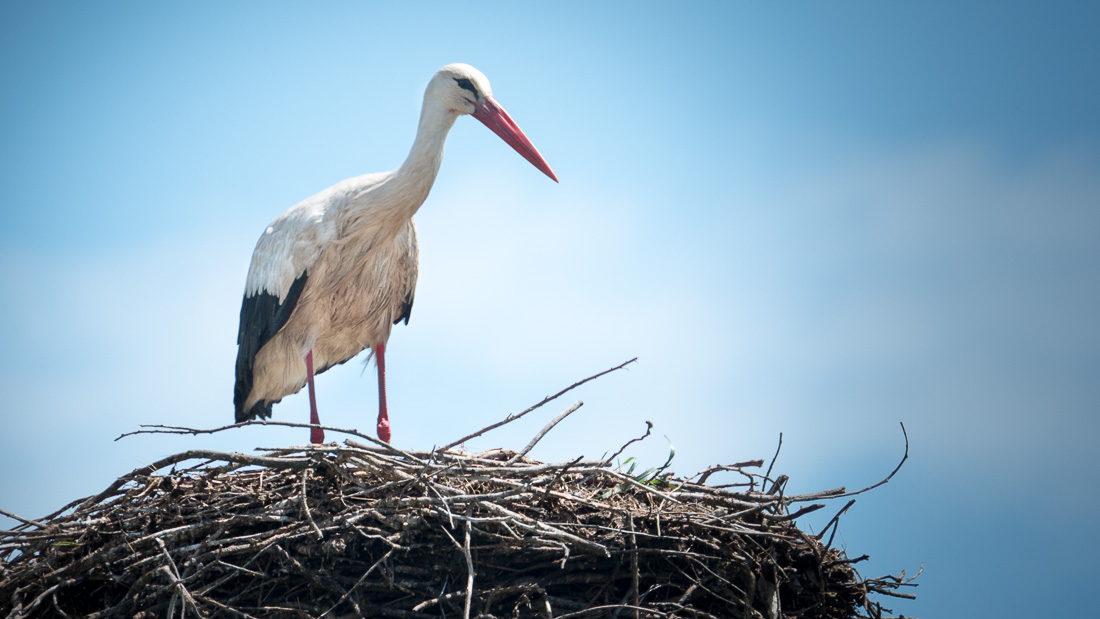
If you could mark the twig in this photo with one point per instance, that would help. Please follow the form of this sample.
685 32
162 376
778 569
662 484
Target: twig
648 429
469 573
844 561
360 581
169 568
768 474
305 506
835 523
554 482
634 565
25 520
892 473
515 416
705 474
538 437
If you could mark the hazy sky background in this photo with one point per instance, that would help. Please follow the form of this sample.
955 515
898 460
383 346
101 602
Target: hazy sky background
815 219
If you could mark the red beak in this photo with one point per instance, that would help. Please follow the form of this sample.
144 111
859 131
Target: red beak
494 117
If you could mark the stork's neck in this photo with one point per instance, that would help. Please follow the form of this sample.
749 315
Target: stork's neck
415 177
385 204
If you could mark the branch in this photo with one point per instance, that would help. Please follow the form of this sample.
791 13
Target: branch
165 429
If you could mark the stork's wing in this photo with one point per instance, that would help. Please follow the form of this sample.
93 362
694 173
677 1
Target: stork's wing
408 264
262 315
276 278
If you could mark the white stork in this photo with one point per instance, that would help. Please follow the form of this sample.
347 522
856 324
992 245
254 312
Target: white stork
331 276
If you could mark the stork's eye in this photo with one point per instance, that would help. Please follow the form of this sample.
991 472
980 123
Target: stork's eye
466 84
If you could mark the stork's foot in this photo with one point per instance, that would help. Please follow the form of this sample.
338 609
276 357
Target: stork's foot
384 430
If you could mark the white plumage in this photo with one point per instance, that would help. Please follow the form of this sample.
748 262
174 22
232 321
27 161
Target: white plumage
332 275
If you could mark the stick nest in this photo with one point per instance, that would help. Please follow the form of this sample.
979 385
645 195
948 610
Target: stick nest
356 529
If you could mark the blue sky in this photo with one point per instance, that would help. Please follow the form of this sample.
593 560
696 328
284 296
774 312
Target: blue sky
814 219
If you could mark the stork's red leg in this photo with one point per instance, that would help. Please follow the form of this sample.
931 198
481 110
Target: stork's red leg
383 414
316 435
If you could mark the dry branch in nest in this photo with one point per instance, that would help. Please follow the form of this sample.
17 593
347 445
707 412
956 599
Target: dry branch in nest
363 529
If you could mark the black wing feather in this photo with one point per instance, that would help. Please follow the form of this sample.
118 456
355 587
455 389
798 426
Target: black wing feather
262 316
406 309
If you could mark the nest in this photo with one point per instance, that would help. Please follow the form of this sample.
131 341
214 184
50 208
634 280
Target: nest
364 529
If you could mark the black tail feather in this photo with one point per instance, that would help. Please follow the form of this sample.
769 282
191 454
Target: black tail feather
259 410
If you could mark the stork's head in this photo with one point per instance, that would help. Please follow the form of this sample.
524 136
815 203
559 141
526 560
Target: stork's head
465 90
